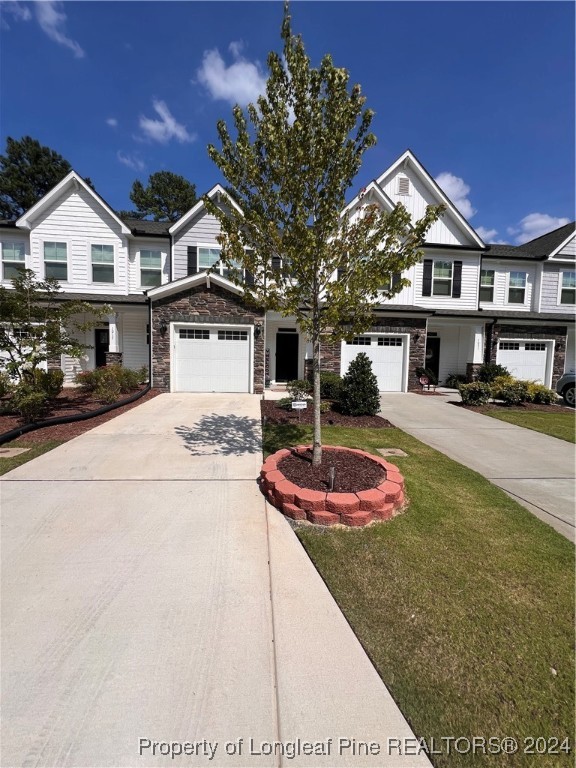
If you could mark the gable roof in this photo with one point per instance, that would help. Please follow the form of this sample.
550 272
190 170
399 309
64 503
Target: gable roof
216 191
373 189
191 281
72 180
409 158
146 227
548 244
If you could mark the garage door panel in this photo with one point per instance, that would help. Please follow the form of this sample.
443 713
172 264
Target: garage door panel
525 360
213 359
387 356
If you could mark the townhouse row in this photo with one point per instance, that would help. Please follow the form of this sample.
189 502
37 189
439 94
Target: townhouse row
467 302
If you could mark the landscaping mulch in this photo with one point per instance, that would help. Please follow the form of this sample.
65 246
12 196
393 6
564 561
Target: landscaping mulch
69 403
353 472
276 415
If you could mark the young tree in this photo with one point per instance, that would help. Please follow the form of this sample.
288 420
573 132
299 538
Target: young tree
167 197
28 171
36 325
295 155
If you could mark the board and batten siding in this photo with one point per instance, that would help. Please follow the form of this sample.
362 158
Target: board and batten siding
204 228
133 336
445 231
10 236
501 281
470 278
151 244
79 221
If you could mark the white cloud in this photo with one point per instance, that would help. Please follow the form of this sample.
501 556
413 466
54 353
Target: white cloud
534 225
240 83
131 161
166 128
52 21
16 11
112 122
487 235
457 190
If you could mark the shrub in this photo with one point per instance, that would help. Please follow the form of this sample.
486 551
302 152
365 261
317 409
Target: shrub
5 384
30 403
299 389
430 375
330 385
538 393
50 382
475 393
490 371
360 395
109 387
512 392
453 380
88 380
111 378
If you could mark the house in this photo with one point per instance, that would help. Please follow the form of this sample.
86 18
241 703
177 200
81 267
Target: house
467 303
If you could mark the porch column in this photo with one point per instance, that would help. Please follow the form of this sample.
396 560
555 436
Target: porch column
477 344
114 355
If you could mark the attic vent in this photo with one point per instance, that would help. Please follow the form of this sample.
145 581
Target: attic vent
403 185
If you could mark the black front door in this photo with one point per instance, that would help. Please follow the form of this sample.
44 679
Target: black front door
286 356
101 343
433 354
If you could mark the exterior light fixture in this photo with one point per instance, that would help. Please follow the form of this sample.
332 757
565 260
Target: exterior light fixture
416 337
162 327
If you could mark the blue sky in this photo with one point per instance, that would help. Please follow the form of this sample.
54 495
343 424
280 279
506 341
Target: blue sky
482 92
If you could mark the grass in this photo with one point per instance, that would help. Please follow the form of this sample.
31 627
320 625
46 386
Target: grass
561 425
465 603
35 449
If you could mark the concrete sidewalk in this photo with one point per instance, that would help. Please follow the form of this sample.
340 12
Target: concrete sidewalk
534 469
150 595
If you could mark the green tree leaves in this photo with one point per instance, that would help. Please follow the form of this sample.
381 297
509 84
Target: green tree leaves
167 196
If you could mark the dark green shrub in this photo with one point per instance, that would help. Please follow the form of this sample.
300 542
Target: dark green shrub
50 382
299 389
5 384
490 371
30 403
359 395
111 378
475 393
330 385
430 375
88 380
538 393
453 380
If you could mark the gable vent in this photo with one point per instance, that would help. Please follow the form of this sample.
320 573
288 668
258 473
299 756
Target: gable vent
403 185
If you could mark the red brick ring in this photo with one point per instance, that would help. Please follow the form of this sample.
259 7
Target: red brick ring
355 509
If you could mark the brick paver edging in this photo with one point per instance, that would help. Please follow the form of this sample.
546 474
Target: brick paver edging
356 509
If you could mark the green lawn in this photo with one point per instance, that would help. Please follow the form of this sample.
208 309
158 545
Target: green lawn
36 449
561 424
465 603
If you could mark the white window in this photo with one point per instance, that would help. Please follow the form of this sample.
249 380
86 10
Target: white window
361 341
232 335
56 260
517 288
13 260
102 263
487 285
568 288
199 334
150 268
389 341
442 278
209 257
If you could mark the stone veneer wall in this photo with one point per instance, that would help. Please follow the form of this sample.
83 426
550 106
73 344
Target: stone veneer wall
213 306
113 358
536 332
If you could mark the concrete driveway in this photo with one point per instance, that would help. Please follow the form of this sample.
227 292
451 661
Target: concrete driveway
155 611
535 469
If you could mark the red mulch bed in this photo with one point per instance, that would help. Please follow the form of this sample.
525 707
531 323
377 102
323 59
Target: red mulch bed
275 415
522 407
353 472
68 403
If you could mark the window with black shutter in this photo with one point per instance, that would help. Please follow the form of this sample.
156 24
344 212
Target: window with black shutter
276 263
457 280
427 280
192 260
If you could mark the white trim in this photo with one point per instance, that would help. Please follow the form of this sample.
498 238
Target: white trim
42 272
176 286
562 245
114 265
442 279
12 243
507 292
226 326
550 347
71 180
559 293
405 353
217 189
372 187
145 247
409 158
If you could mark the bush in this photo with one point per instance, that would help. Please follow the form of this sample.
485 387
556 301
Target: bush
538 393
513 392
430 375
453 380
330 385
490 371
475 393
30 403
299 389
50 382
5 384
110 381
88 380
359 395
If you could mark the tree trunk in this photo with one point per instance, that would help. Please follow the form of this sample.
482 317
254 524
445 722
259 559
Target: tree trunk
317 440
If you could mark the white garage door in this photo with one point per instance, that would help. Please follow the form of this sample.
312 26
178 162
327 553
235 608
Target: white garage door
211 359
525 360
386 354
